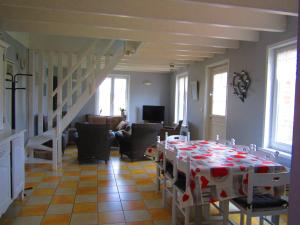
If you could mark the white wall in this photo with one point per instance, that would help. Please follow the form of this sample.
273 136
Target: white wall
245 121
156 94
21 95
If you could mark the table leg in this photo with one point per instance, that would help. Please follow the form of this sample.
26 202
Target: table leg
157 178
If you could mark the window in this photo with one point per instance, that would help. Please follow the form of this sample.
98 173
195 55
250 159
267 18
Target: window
181 98
219 94
281 87
113 95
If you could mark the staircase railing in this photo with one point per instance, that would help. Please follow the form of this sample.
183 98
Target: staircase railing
63 83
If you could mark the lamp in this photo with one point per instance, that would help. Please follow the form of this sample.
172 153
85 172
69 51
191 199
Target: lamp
147 82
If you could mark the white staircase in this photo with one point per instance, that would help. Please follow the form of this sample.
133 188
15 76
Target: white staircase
77 77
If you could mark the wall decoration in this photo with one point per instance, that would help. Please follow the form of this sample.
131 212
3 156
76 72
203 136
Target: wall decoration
10 64
195 90
241 83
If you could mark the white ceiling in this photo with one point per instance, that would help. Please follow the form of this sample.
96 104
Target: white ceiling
171 31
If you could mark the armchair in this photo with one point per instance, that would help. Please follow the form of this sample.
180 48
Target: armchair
142 136
93 142
171 130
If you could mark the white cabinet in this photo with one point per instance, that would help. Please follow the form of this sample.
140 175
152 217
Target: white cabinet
12 167
18 163
5 177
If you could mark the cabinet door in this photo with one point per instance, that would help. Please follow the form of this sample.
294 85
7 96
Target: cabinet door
5 192
18 164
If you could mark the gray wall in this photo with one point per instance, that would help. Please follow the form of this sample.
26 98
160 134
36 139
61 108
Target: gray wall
21 95
245 121
156 94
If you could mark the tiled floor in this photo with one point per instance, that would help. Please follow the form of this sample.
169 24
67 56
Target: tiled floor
120 193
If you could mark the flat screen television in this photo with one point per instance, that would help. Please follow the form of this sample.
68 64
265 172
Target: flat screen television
152 113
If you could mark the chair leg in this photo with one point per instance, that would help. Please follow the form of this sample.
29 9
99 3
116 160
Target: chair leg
248 220
174 207
164 197
157 179
187 216
261 220
242 219
225 208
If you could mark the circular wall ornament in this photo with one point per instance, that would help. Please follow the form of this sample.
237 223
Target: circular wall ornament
241 83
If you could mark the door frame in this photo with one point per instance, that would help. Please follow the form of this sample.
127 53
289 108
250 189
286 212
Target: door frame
206 98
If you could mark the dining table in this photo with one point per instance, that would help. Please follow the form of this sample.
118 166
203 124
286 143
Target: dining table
217 172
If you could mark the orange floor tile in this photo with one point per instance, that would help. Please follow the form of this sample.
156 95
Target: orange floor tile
117 193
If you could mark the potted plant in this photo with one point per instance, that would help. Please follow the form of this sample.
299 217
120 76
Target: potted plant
123 113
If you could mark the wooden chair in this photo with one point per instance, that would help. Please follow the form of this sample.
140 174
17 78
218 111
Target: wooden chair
230 142
169 158
258 205
264 153
179 188
160 162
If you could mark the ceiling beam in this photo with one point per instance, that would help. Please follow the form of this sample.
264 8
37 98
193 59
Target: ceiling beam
143 69
181 48
175 10
94 32
142 24
148 64
168 57
164 53
282 7
157 60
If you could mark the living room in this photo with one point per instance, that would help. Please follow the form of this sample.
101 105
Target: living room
143 85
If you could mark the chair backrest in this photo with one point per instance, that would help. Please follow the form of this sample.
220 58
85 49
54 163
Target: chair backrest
147 132
178 127
93 139
265 154
230 142
276 179
176 137
183 166
242 148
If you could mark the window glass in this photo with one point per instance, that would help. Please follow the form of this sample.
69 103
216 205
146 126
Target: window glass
113 95
181 98
105 97
285 96
219 94
120 95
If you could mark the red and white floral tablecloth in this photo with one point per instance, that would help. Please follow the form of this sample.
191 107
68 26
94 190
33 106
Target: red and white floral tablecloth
221 170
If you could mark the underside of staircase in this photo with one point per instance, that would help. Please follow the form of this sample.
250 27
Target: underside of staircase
61 85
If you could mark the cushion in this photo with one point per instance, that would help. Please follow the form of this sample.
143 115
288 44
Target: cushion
113 121
122 125
262 201
96 119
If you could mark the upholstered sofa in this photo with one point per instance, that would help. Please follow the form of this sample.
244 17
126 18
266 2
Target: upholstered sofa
114 123
111 121
142 136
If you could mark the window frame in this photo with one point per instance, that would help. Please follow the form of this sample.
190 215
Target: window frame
113 77
271 96
176 106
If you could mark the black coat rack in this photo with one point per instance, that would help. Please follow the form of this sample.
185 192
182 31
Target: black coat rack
13 80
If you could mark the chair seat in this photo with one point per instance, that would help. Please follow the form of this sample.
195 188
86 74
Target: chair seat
262 201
